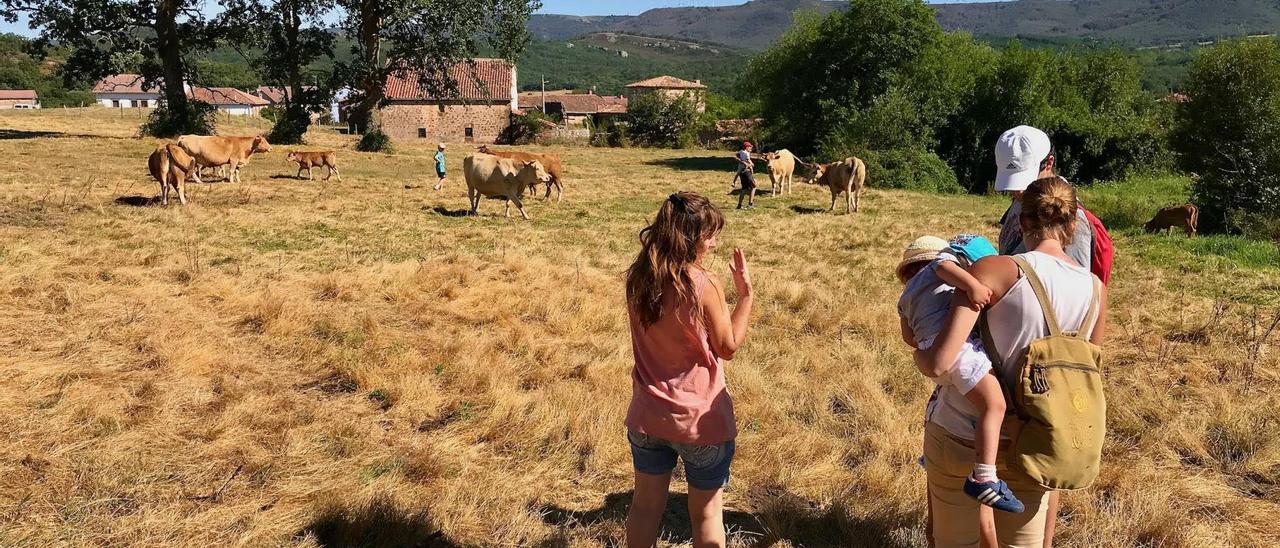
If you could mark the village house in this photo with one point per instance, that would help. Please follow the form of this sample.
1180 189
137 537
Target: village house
575 109
670 87
230 101
481 111
126 91
19 98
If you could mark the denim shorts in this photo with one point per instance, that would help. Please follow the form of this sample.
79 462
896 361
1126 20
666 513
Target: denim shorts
706 467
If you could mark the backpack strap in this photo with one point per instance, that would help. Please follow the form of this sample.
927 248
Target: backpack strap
1042 295
1095 306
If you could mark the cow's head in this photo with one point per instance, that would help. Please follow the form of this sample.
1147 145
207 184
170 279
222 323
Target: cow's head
483 149
771 156
292 157
535 169
818 171
260 145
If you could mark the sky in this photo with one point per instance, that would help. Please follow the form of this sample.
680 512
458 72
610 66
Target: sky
568 7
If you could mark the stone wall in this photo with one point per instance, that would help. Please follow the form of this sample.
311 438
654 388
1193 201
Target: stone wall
448 122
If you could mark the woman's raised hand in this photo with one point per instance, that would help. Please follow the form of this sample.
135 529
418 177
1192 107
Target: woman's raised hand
741 276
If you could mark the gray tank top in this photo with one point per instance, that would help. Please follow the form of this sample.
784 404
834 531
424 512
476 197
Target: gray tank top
1015 322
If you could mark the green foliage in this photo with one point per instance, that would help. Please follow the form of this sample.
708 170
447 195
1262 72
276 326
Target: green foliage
1229 134
290 126
230 75
375 141
910 169
526 128
610 134
166 122
1130 203
20 70
657 121
593 63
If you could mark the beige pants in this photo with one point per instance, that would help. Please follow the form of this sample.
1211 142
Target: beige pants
948 460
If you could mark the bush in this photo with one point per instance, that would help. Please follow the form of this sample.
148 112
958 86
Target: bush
526 128
375 141
1228 133
198 119
910 169
291 125
653 120
271 113
610 134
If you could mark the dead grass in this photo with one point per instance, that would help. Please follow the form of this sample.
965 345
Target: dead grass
381 371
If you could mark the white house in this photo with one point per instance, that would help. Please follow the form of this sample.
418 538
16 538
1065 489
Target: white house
126 91
229 100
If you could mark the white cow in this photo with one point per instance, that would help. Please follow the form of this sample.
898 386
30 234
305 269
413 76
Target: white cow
782 169
489 175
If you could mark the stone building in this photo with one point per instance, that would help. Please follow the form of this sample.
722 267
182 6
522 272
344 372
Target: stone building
481 111
19 98
575 109
671 87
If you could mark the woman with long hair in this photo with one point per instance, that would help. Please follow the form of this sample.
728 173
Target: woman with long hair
682 332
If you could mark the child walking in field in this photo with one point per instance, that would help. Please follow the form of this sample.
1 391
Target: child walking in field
682 332
439 166
932 269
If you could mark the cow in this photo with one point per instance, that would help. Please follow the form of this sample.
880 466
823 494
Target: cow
782 169
233 152
1186 217
489 175
319 158
170 166
550 162
848 176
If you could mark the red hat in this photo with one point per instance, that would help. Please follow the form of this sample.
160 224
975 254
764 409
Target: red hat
747 144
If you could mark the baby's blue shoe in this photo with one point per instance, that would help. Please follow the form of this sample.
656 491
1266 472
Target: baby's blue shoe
995 494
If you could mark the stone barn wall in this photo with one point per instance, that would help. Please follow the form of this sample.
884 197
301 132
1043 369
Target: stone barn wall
447 122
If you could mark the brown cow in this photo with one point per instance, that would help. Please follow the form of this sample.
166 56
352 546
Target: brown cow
1186 217
848 176
319 158
170 165
233 152
489 175
550 162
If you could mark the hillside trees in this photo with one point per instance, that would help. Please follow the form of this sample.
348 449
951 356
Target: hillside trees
109 36
423 37
1228 134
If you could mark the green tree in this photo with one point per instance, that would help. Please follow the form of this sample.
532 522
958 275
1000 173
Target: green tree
423 38
108 36
657 121
1228 133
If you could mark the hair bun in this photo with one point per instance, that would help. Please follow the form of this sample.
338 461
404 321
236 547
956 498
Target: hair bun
1049 209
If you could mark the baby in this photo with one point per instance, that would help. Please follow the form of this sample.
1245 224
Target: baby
932 270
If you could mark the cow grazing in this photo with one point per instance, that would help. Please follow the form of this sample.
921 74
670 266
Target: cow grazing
233 152
170 166
782 169
1186 217
489 175
550 162
848 176
319 158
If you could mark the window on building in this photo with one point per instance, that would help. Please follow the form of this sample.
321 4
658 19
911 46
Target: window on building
422 133
469 133
115 103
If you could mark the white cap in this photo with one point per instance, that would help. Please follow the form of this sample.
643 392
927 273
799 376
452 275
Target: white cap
441 145
1019 153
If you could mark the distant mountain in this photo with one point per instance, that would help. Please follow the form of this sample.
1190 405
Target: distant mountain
756 24
752 25
607 61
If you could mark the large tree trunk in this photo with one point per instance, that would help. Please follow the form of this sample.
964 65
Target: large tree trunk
371 87
293 25
168 43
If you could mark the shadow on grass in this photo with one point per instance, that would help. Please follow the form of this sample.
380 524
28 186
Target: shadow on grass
290 177
446 212
379 523
724 164
782 517
16 134
806 210
138 200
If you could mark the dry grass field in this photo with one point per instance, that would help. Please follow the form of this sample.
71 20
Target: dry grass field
294 363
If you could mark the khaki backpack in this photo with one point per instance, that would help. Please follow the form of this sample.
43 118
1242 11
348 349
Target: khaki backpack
1056 399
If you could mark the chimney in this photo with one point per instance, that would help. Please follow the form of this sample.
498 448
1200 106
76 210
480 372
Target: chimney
697 82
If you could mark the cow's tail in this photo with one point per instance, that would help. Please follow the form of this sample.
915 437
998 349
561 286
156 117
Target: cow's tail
1195 219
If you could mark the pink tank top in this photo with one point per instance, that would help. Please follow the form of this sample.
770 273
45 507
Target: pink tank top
677 389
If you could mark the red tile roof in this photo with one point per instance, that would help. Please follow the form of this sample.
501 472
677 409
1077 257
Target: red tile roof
225 97
124 83
578 103
12 94
666 82
490 81
271 94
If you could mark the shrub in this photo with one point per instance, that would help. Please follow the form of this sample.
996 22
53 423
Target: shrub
291 125
526 128
910 169
198 119
656 121
1228 134
375 141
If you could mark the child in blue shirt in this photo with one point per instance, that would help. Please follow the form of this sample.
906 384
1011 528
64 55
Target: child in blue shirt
439 166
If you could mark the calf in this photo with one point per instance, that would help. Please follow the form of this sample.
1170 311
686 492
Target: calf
170 165
782 169
848 176
1186 217
320 158
550 162
233 152
489 175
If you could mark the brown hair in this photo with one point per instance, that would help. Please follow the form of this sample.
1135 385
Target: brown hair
667 247
1049 210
